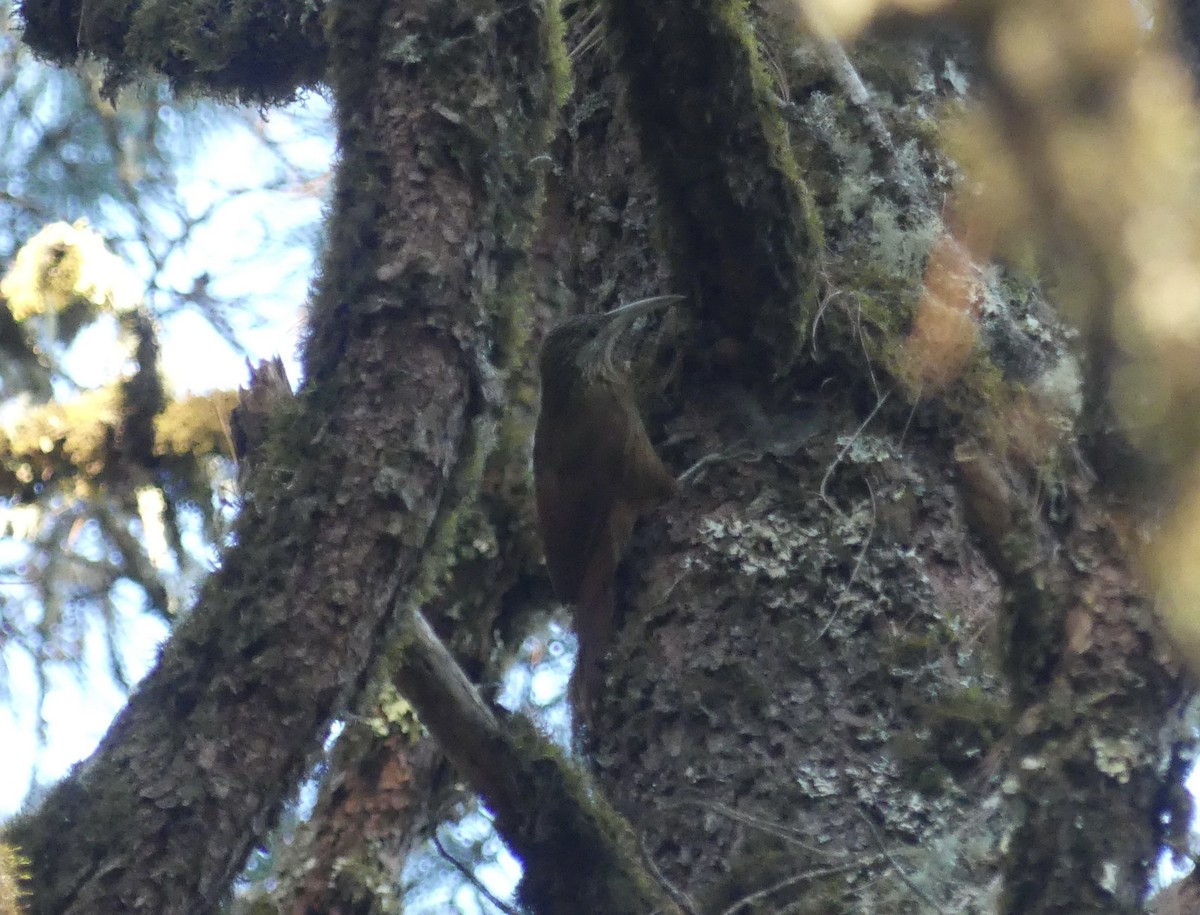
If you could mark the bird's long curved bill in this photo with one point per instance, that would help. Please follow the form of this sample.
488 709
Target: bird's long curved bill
621 319
627 314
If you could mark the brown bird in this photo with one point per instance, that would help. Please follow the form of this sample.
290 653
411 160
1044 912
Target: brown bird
594 472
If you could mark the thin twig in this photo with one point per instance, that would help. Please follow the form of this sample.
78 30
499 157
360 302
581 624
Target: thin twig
846 448
786 833
814 874
470 877
737 452
682 899
854 573
911 414
908 881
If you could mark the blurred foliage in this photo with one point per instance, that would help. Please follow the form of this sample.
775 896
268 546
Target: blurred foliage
12 866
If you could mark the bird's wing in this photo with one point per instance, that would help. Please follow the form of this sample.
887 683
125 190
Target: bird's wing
647 480
578 482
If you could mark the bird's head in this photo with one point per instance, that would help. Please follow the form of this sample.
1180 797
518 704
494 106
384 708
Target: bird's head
581 348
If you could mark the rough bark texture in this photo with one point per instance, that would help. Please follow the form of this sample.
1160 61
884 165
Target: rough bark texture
350 485
1086 676
809 703
733 197
817 672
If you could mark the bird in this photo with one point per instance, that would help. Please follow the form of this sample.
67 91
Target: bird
595 471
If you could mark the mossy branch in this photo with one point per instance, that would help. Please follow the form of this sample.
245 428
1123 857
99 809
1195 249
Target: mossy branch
579 854
254 52
742 229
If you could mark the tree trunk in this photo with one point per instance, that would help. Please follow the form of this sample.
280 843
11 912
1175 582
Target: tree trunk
885 652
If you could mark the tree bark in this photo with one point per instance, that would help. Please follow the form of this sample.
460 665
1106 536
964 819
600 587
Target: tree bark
832 690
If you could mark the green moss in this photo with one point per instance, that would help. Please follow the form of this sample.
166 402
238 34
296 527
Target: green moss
980 391
392 713
13 872
555 37
736 16
950 736
291 432
967 722
933 780
245 51
733 200
812 213
912 649
585 830
195 425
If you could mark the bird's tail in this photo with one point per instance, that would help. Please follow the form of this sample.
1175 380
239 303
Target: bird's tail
594 625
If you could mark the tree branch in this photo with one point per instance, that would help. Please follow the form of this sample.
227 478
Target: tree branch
743 230
258 53
579 854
